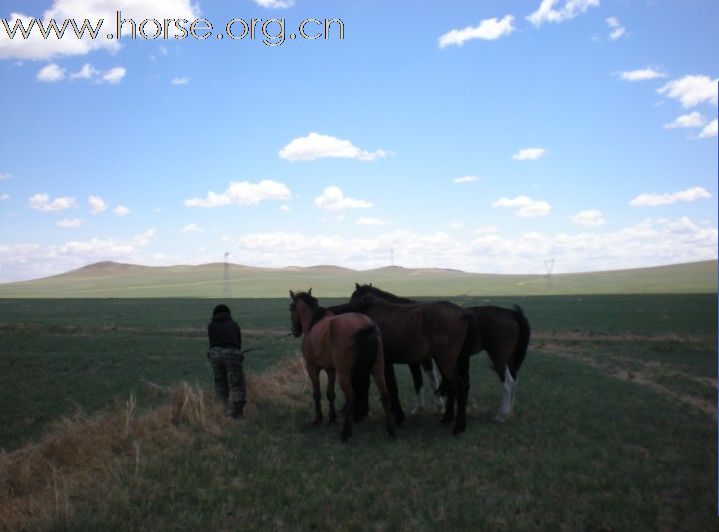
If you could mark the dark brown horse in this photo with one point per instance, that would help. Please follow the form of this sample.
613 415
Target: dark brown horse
503 333
348 347
414 333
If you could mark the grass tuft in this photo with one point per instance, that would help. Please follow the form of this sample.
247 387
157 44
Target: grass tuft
88 456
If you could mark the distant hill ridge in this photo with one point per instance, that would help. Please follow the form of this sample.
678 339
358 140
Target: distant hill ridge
104 267
115 279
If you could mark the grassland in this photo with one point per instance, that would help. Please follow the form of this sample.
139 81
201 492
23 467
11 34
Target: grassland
103 280
615 425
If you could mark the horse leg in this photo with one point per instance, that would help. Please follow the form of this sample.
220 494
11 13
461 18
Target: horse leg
314 374
505 405
429 370
346 385
460 424
393 392
457 379
378 375
448 416
331 394
418 388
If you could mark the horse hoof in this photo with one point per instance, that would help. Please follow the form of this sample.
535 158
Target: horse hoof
445 421
344 437
501 419
456 431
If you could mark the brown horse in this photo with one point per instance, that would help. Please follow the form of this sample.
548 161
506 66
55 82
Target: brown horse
348 347
418 332
503 333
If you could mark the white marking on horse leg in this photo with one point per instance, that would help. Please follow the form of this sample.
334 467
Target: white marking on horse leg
418 401
505 405
437 401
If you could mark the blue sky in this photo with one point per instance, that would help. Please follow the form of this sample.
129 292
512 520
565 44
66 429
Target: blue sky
585 131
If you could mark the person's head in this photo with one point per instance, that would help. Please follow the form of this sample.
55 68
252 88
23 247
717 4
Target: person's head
221 309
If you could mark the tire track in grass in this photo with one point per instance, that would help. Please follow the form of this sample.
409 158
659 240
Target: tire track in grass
638 377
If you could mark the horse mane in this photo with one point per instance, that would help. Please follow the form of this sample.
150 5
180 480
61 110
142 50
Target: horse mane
386 296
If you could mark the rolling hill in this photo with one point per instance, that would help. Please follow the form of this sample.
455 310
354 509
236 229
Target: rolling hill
111 279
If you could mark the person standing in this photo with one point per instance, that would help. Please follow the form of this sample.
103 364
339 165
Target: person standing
226 359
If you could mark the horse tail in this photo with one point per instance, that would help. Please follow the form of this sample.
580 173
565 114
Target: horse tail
467 348
524 333
463 359
366 342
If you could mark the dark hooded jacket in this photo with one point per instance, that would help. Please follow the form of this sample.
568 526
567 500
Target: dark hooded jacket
223 331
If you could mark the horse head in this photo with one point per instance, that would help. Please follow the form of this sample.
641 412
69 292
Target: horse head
363 293
302 303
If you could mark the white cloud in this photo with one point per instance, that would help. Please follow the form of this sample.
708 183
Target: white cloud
275 4
285 208
317 146
571 8
69 223
641 74
489 30
466 179
114 75
617 30
526 206
243 193
710 130
691 90
4 197
41 202
97 204
588 218
652 200
51 73
486 229
455 224
86 72
191 228
333 199
648 243
372 221
5 175
180 81
121 210
529 154
694 119
38 48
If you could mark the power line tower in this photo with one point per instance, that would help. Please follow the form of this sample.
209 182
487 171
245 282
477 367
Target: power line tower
548 266
226 277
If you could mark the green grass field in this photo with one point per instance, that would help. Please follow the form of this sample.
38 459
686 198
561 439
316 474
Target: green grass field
104 280
615 425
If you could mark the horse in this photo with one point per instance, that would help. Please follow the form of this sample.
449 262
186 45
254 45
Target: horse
504 333
414 333
348 347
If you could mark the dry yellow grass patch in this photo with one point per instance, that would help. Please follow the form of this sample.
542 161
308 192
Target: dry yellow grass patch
82 457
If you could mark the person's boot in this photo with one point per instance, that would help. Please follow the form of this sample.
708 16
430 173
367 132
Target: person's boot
237 409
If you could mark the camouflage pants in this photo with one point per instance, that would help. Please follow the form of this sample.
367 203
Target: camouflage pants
229 376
